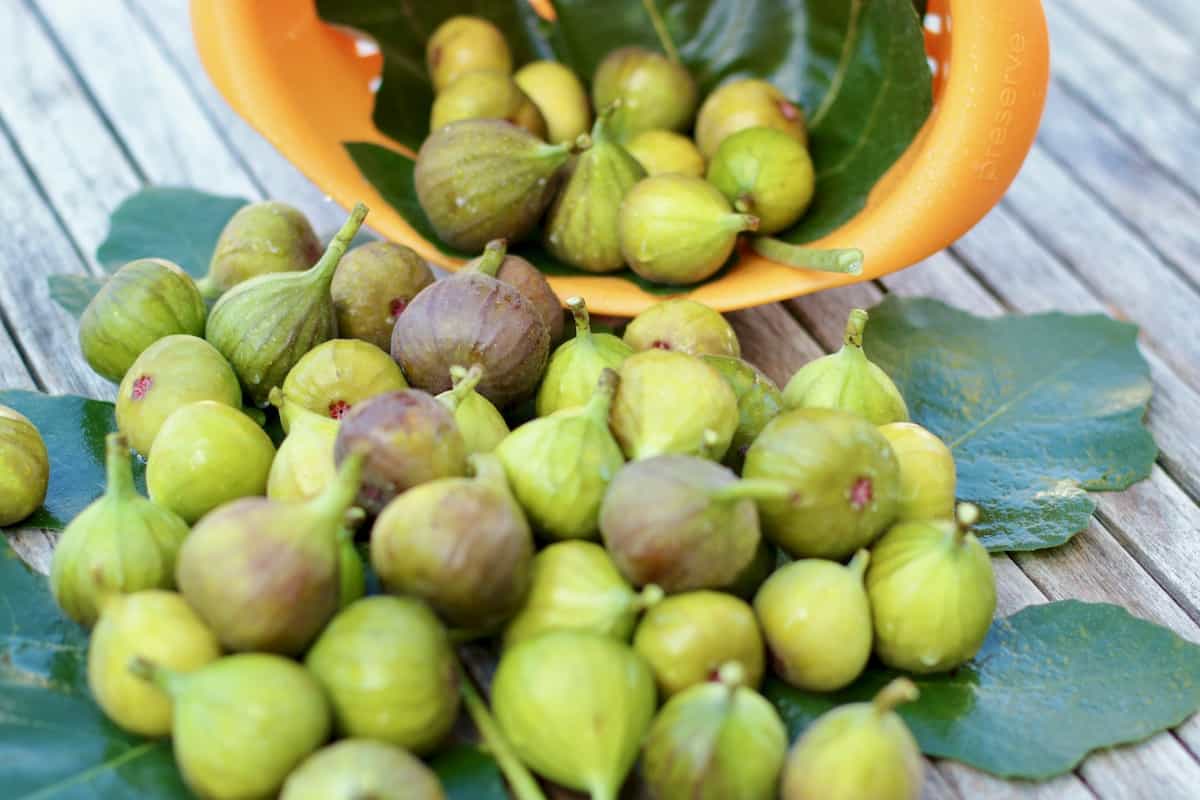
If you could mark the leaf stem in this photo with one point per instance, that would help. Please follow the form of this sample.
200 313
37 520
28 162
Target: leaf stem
522 783
847 261
660 29
901 690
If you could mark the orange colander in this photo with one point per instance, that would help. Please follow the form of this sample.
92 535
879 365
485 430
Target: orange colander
305 86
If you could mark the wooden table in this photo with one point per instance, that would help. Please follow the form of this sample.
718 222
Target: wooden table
100 97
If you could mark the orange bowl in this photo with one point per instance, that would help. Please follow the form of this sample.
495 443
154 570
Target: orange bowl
306 87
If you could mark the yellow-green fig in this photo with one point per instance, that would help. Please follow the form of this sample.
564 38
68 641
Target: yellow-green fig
759 401
486 94
747 103
848 381
655 91
665 152
352 577
685 326
464 44
859 751
575 368
574 707
372 286
362 769
559 95
481 423
927 475
24 467
121 543
304 464
335 375
156 625
260 239
932 593
519 273
241 724
388 668
767 173
817 622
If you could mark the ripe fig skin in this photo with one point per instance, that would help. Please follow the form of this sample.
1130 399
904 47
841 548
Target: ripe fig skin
169 374
927 473
759 402
352 578
354 769
372 286
464 44
141 303
336 375
559 95
765 172
388 668
205 455
156 625
816 619
655 92
684 326
121 543
482 425
665 152
260 239
486 94
527 279
687 637
747 103
304 464
24 467
846 477
575 367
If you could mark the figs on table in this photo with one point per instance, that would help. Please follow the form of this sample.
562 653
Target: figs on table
576 365
354 769
927 475
372 286
685 326
260 239
24 467
336 375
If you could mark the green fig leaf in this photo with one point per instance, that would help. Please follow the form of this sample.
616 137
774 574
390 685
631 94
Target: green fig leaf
468 773
73 292
1038 410
1052 683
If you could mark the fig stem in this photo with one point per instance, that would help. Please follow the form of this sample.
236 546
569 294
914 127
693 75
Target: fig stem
487 468
275 397
493 257
600 403
600 132
322 271
754 489
966 516
582 142
650 596
744 204
732 675
900 690
151 672
339 495
740 222
858 564
583 321
522 783
463 383
856 325
709 440
117 466
847 261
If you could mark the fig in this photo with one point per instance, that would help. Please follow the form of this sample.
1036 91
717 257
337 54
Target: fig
560 466
352 577
575 706
372 286
460 544
335 375
362 769
484 179
767 173
141 303
654 91
683 325
859 751
24 467
581 226
666 152
676 229
576 586
242 723
260 239
304 465
716 741
481 424
747 103
464 44
264 325
151 624
169 374
845 475
817 622
409 438
527 279
667 403
207 454
687 637
759 401
559 95
848 380
388 668
575 368
932 593
121 543
927 477
264 574
486 94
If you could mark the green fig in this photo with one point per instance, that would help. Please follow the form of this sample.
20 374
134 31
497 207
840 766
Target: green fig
372 286
141 303
481 423
654 91
241 724
747 103
527 279
932 593
817 622
716 741
668 403
335 375
153 624
846 478
574 707
304 465
677 230
362 769
848 380
575 367
687 637
484 179
390 672
560 466
409 438
576 586
24 467
486 94
264 325
927 476
264 574
859 751
559 95
767 173
121 543
666 152
260 239
685 326
464 44
460 544
352 576
169 374
759 402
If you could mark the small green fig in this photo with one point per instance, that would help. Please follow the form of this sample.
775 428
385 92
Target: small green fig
859 751
24 467
685 326
577 364
156 625
767 173
927 477
687 637
759 402
372 286
335 375
304 465
464 44
486 94
352 576
932 593
677 230
666 152
119 544
655 91
746 103
242 723
574 707
144 301
559 95
527 279
388 668
481 423
716 741
362 769
848 380
817 622
260 239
